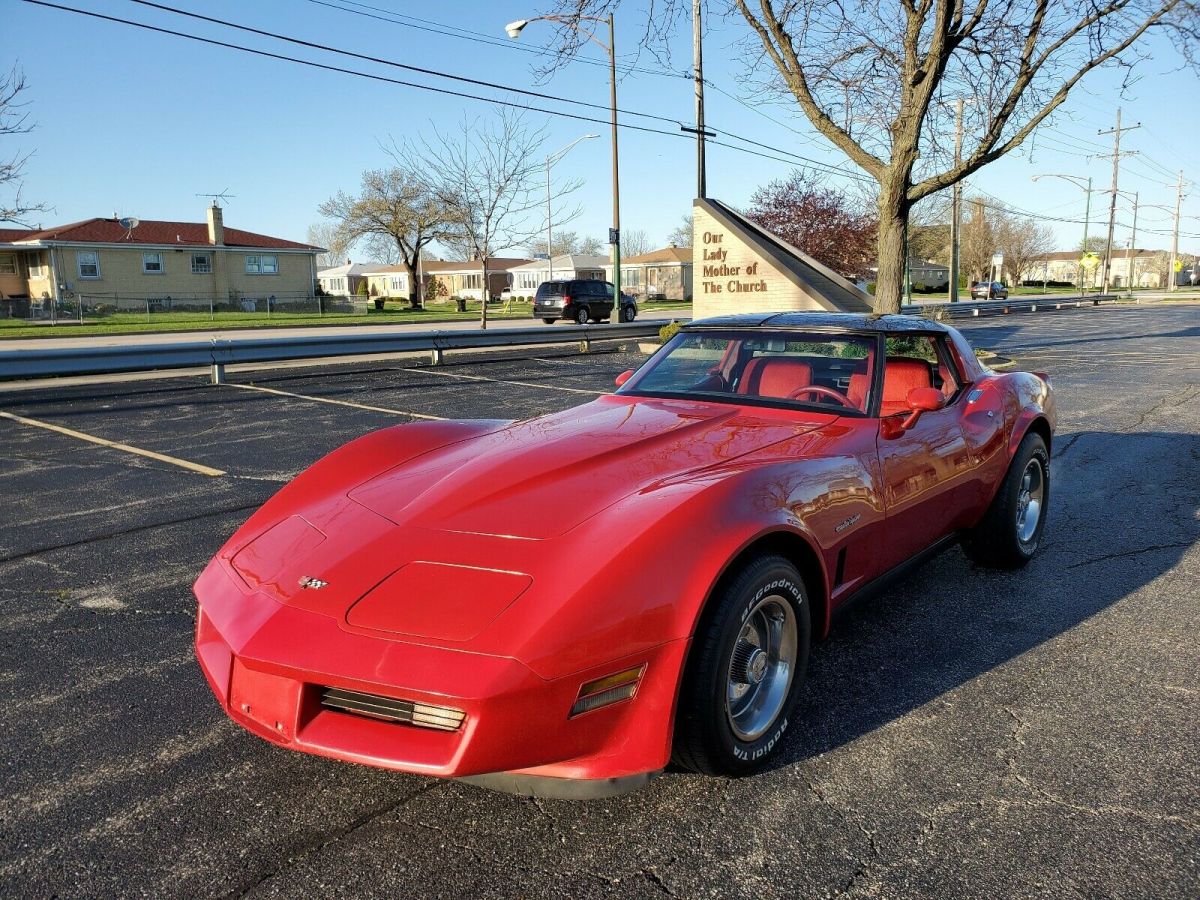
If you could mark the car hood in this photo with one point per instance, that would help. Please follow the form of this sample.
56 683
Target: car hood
540 478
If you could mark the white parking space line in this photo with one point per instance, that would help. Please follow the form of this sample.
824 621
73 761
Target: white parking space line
548 387
115 445
382 409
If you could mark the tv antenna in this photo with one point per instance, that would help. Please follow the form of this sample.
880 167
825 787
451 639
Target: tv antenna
223 195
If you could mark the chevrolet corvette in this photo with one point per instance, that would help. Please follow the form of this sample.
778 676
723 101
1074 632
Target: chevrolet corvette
565 605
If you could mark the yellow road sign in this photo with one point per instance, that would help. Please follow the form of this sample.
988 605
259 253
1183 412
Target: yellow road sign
1089 261
1178 267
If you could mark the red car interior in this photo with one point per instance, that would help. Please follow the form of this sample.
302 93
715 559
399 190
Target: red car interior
766 376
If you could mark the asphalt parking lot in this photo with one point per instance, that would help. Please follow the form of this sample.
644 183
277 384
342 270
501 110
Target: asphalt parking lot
971 734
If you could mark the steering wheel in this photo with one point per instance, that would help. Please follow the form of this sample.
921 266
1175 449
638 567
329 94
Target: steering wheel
822 392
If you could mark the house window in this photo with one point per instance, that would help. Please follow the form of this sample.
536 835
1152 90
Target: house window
472 282
152 263
89 263
397 283
8 264
201 264
38 269
262 265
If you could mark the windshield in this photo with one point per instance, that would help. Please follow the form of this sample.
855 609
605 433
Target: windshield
828 371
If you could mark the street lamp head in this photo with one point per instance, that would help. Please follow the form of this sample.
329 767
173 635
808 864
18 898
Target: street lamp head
514 28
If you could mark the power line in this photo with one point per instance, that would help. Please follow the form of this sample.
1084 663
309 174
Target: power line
453 31
387 62
795 158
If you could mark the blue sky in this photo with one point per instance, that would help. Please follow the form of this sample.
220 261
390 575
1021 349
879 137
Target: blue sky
138 123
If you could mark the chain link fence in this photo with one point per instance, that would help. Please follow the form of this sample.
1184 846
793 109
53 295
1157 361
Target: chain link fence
118 309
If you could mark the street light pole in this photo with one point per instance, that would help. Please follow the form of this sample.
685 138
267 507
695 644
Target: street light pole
1087 215
615 236
514 29
698 75
1175 238
1129 254
956 201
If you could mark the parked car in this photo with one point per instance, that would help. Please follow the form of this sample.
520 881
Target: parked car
562 605
580 301
982 290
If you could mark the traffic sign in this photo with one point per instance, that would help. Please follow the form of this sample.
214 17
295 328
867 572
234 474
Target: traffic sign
1089 261
1178 267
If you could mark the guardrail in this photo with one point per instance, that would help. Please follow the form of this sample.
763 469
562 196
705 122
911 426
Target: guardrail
217 354
972 308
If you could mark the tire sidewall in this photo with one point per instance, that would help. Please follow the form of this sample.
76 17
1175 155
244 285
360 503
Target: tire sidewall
777 578
1032 447
582 315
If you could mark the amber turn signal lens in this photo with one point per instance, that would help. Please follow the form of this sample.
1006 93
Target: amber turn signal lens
607 690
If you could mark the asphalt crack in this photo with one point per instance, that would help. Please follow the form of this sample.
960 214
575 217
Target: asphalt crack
325 839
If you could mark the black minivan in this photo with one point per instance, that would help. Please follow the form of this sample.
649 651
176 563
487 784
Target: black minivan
580 301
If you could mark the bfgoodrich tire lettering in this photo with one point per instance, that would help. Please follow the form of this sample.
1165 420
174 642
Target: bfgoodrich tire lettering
732 717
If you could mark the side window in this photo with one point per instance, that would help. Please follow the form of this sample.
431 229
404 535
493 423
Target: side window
608 290
947 373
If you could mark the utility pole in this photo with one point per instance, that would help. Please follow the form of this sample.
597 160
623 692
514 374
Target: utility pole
1129 254
1112 209
1175 238
698 75
956 203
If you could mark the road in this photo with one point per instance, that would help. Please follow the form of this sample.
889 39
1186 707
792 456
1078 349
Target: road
971 734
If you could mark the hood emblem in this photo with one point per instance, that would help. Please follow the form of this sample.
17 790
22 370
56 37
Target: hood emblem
307 581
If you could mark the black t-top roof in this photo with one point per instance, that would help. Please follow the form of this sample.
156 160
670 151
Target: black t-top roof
821 319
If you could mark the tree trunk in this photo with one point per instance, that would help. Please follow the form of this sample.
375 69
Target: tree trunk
414 288
893 217
483 295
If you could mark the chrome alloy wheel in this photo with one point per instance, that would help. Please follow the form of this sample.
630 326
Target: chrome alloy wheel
1029 500
761 668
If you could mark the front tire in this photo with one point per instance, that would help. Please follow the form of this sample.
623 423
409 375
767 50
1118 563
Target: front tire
582 315
1011 531
627 314
549 321
745 670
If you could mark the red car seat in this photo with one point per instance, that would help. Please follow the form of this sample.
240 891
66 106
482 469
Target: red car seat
774 376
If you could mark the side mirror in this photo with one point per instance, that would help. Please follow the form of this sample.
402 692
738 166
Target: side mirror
922 400
623 377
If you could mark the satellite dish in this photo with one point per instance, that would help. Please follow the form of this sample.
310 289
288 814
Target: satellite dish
129 222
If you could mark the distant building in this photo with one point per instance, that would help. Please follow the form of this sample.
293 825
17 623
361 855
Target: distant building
120 262
343 280
1143 268
923 274
664 274
565 267
465 279
386 281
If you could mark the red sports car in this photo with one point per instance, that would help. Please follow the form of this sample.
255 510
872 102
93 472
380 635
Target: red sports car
561 606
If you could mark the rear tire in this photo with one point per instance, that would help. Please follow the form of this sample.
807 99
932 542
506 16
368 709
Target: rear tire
745 670
1010 532
628 315
582 315
549 321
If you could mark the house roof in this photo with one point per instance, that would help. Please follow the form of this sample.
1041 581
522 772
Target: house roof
348 269
495 264
1075 255
668 255
8 235
110 231
382 269
568 261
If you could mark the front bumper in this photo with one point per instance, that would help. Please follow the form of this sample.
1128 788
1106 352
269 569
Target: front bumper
269 664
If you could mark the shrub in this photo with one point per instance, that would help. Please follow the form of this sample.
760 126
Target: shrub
669 331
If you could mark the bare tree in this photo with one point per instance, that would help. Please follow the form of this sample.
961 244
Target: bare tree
1023 242
634 242
14 120
879 80
329 236
489 178
978 242
397 205
591 246
565 242
379 248
682 235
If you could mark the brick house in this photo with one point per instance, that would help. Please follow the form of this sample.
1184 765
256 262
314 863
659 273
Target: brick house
107 261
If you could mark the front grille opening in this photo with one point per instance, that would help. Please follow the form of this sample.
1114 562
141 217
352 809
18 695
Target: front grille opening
389 709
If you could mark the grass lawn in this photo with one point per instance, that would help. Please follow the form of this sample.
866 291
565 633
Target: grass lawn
140 323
